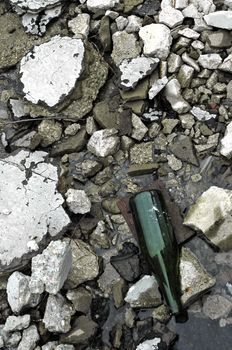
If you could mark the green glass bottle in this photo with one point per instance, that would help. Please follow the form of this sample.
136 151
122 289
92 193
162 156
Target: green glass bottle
159 246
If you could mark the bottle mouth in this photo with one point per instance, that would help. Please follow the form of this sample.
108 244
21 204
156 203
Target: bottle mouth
182 317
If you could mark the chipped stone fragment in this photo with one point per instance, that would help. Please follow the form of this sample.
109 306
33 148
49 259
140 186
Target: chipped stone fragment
173 95
210 60
60 63
157 86
202 115
174 163
50 345
104 142
211 215
174 62
139 129
216 306
125 46
58 313
81 299
157 40
29 338
50 269
17 107
226 142
219 19
78 201
170 17
185 75
149 344
80 25
27 219
16 323
144 293
195 280
189 33
220 39
226 66
34 5
132 71
96 5
50 132
19 294
134 24
121 22
83 329
65 347
85 265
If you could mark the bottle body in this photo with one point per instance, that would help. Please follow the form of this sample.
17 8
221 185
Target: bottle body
158 244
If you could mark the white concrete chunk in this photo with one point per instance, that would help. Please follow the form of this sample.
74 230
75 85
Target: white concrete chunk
97 5
226 142
50 269
132 71
78 201
219 19
19 294
157 86
50 71
157 40
103 142
202 115
58 314
173 95
170 17
210 60
30 207
17 323
34 5
29 339
152 344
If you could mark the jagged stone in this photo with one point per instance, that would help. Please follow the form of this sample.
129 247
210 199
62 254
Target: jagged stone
173 95
170 17
17 323
50 269
210 60
219 19
78 201
58 313
60 62
157 40
27 219
226 142
104 142
29 338
125 46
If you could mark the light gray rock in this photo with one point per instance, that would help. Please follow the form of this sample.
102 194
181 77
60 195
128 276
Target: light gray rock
216 306
50 269
121 22
211 215
125 46
65 347
29 338
185 75
108 279
226 66
195 280
36 23
174 163
104 142
202 115
85 265
50 345
19 294
17 107
50 71
181 4
157 86
58 313
205 6
17 323
50 131
172 93
144 293
152 344
170 17
80 25
78 201
34 5
189 33
157 40
134 24
174 62
220 19
11 340
210 60
132 71
226 142
1 342
139 129
96 5
30 207
190 61
72 129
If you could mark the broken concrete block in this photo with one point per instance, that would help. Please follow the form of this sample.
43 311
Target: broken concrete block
60 63
19 294
78 201
58 314
104 142
17 323
212 215
31 209
50 269
29 338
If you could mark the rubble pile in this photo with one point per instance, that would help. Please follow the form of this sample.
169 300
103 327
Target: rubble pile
98 99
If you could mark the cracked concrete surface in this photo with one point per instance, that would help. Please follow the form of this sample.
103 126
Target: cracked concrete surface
30 207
